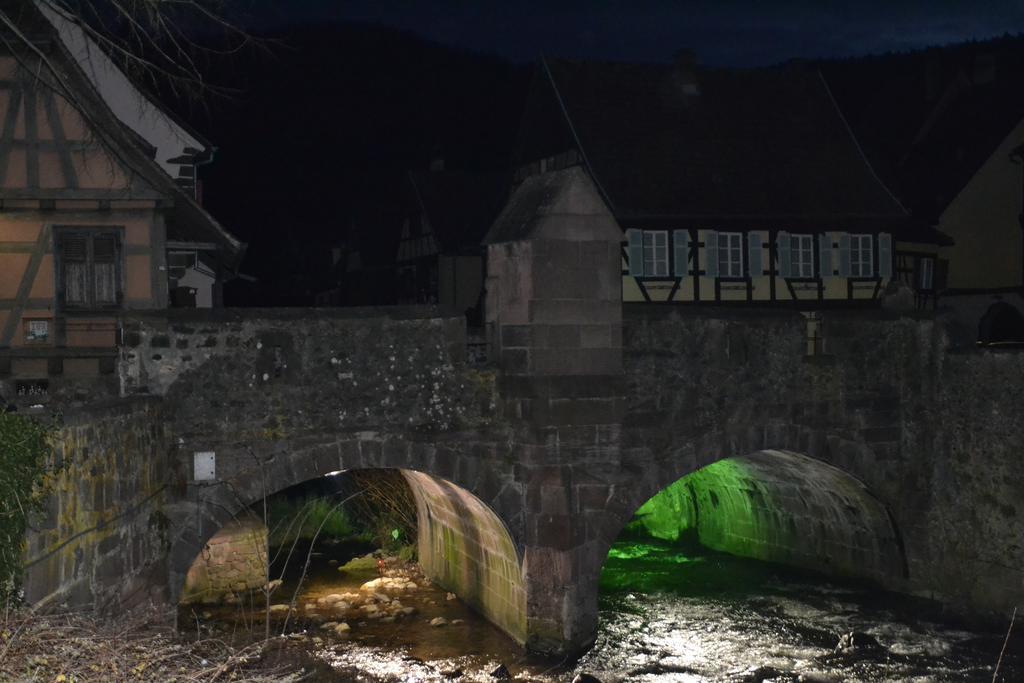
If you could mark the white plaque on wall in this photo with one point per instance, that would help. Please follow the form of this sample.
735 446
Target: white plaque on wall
204 466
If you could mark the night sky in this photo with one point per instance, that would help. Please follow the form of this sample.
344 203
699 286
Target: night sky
328 116
723 32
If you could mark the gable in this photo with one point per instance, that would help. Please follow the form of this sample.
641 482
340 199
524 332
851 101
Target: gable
48 150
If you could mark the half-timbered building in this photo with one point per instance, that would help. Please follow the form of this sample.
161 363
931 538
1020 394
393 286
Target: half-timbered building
98 213
440 258
730 187
945 129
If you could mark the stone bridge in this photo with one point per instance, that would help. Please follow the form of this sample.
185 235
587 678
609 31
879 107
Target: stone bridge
887 455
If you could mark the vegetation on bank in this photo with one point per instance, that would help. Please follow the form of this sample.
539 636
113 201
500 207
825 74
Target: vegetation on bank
24 447
370 507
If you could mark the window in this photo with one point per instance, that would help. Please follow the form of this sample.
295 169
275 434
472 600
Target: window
926 273
656 253
801 249
861 264
730 254
90 267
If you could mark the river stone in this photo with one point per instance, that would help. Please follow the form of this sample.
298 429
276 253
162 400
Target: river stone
342 629
408 611
278 609
329 625
272 586
501 673
438 621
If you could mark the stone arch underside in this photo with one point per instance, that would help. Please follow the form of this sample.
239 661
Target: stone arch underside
784 507
463 543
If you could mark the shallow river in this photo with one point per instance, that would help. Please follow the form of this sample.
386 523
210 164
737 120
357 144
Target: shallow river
668 616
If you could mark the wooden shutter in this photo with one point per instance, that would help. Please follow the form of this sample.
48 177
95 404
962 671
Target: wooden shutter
755 265
711 253
885 255
104 268
680 252
74 256
636 252
785 254
825 255
844 255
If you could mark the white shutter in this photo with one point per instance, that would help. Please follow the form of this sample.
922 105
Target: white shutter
636 252
680 252
825 255
885 255
754 258
785 254
844 255
711 253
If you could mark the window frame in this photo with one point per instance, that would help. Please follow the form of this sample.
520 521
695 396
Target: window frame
801 245
726 251
90 233
862 267
655 266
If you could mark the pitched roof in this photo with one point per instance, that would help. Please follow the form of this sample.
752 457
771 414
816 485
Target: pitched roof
761 147
103 146
459 205
930 119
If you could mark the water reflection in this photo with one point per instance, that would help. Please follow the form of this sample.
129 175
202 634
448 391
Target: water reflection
666 615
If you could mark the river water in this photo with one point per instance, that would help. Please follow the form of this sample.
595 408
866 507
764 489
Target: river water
665 615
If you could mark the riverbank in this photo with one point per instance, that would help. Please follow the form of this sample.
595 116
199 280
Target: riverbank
140 646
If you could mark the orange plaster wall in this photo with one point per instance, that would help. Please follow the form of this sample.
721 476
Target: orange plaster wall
43 287
12 267
19 231
138 284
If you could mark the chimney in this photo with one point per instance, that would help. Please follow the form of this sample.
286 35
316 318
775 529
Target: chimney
684 63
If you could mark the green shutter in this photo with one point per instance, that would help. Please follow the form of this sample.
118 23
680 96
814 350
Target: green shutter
755 265
711 253
885 255
844 255
825 255
785 254
636 252
680 252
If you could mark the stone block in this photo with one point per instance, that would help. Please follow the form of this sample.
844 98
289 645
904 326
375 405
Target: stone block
515 335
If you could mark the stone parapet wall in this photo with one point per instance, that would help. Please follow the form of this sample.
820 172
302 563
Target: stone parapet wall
103 541
234 561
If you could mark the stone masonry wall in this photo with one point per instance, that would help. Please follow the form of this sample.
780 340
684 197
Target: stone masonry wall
104 539
464 547
935 435
233 561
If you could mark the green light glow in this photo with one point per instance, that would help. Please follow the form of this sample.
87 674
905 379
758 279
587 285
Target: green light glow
775 506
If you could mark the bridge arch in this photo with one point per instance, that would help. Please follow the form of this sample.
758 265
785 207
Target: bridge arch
773 505
465 543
